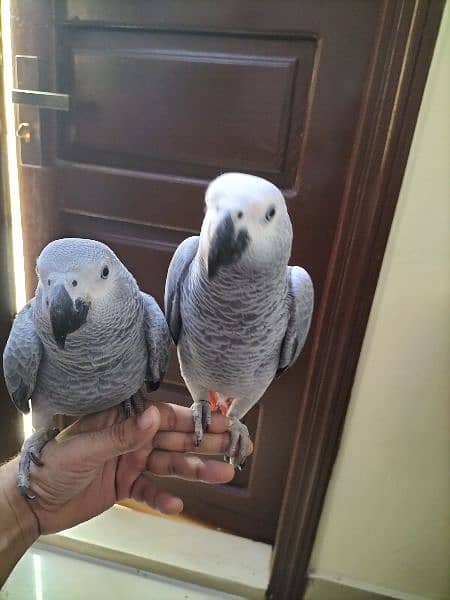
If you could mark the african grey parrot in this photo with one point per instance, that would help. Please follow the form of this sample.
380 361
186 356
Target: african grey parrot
87 341
238 314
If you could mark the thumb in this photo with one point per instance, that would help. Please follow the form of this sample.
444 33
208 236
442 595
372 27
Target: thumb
123 437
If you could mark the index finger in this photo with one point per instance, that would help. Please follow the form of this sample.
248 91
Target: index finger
179 418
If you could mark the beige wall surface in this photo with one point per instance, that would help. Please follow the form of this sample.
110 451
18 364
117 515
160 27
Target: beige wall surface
386 517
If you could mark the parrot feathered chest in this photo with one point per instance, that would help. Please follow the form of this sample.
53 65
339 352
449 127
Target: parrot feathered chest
91 368
232 327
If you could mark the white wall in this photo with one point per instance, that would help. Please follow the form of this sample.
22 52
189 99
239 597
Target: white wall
386 519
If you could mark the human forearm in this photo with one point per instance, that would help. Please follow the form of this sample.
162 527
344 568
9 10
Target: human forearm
18 525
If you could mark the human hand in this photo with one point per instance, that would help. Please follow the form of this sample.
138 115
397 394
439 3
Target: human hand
102 459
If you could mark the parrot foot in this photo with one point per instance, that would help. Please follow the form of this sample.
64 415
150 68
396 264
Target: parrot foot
239 440
201 412
31 452
229 460
134 405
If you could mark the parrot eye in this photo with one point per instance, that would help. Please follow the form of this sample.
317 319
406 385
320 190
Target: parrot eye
48 281
74 283
270 214
105 272
240 214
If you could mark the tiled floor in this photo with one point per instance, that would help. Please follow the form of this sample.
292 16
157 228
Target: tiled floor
54 575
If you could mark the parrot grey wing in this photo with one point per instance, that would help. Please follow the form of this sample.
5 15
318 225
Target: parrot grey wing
176 274
157 336
21 358
301 302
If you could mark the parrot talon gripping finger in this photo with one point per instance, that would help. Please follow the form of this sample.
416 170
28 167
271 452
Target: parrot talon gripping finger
31 451
37 461
239 439
201 412
127 408
241 466
134 405
25 493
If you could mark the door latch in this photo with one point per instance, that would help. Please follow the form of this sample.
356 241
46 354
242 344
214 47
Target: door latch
31 100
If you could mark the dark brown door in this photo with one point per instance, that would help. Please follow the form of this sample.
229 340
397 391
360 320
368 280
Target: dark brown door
165 95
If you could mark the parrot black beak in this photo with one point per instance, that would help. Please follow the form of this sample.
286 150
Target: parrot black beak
64 316
226 246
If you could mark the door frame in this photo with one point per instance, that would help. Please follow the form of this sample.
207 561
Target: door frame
396 79
11 430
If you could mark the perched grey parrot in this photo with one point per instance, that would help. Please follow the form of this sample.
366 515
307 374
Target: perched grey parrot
87 341
238 314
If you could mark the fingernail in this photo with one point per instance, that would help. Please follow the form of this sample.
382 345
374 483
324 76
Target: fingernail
145 419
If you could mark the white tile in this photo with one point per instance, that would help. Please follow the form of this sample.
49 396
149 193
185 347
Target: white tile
51 575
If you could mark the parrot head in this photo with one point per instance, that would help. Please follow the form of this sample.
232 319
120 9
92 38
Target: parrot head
246 222
77 277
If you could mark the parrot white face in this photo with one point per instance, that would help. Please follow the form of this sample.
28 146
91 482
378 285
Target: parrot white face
246 222
78 279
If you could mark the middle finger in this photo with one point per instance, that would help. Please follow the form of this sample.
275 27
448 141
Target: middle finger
179 418
212 443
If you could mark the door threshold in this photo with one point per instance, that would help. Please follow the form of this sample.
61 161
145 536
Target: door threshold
175 549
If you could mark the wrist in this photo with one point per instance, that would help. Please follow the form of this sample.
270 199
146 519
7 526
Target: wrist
19 527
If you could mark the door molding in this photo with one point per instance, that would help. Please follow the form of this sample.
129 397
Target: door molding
10 419
404 46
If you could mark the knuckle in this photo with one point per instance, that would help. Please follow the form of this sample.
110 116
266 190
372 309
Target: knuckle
224 442
171 419
189 442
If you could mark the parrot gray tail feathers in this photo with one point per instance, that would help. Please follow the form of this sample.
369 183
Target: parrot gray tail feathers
158 340
152 386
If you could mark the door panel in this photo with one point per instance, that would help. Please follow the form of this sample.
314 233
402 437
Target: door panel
187 101
167 95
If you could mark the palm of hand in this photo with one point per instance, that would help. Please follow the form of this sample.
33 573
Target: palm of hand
102 459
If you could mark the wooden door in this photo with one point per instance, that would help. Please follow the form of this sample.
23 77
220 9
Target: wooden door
165 95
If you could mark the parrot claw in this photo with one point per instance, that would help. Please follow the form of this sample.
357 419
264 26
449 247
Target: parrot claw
134 405
25 493
230 461
37 461
31 452
239 439
201 412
